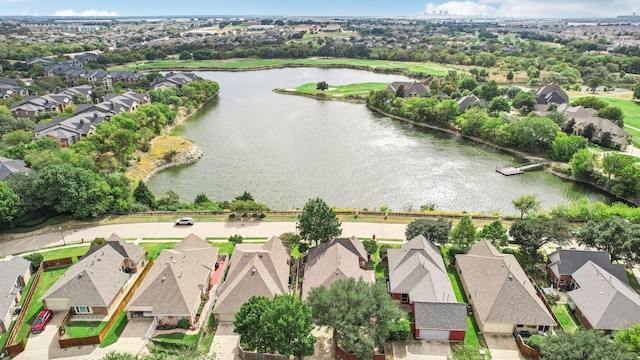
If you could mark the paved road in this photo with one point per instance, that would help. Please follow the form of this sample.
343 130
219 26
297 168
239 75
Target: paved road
19 243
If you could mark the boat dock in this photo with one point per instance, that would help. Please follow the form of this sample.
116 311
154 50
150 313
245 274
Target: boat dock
512 170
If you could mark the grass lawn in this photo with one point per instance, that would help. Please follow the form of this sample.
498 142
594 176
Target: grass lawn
565 317
5 337
72 252
177 338
80 329
154 249
340 91
247 64
116 330
47 279
631 111
633 281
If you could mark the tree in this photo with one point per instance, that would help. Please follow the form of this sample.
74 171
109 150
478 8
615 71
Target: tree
250 323
290 239
186 55
489 90
524 101
499 104
436 231
630 337
370 246
612 113
322 85
512 92
289 321
35 258
589 131
383 251
583 345
359 312
535 134
636 92
591 102
245 196
510 75
614 235
526 204
594 83
564 146
613 164
465 352
400 91
17 137
464 233
495 233
318 222
79 98
531 234
236 239
143 195
10 203
583 163
468 83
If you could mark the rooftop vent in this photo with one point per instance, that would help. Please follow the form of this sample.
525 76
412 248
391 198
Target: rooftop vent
253 271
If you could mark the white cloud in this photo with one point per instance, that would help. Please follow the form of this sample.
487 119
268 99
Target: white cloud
70 12
536 8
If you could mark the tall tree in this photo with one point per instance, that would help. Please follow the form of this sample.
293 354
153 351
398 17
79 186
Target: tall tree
289 322
318 222
143 195
524 101
564 146
526 204
9 203
322 85
495 233
370 246
583 162
464 233
531 234
436 231
250 324
583 345
499 104
630 337
359 312
614 235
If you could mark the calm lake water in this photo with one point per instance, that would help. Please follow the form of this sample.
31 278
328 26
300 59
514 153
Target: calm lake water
285 149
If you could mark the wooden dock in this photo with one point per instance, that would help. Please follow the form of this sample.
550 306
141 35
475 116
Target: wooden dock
512 170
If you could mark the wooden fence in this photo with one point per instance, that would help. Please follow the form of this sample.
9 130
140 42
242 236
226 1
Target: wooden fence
15 349
341 354
251 355
527 350
544 301
50 264
97 339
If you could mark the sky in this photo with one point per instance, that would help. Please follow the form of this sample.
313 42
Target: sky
492 8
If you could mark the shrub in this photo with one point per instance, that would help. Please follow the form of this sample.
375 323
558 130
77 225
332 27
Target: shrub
183 323
535 341
382 251
399 330
455 250
35 258
98 241
235 239
508 251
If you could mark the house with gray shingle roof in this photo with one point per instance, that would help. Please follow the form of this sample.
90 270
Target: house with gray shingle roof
173 80
503 298
466 101
601 301
254 269
10 166
563 263
15 275
339 259
549 94
418 276
94 285
410 88
175 285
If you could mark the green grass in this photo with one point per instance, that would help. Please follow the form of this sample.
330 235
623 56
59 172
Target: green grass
341 91
81 329
116 330
633 281
564 317
60 253
631 111
48 278
155 249
177 338
5 337
247 64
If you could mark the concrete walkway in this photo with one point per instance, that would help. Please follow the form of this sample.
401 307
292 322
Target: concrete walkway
21 243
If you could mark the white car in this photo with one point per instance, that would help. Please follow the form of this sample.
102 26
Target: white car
185 221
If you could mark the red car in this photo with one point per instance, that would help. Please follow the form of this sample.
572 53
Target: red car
41 321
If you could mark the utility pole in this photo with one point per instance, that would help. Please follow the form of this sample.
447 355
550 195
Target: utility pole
62 234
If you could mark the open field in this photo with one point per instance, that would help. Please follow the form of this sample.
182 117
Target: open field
248 64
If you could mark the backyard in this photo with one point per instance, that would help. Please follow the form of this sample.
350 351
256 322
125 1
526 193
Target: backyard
565 317
80 329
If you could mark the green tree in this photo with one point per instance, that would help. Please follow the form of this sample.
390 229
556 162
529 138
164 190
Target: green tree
370 246
489 90
510 75
636 92
526 204
583 345
512 92
318 222
10 203
468 83
627 183
17 137
359 312
499 104
614 235
400 92
186 55
245 196
465 352
591 102
383 251
524 101
289 321
464 233
250 323
290 239
436 231
564 146
529 234
612 113
614 163
583 163
322 85
236 239
495 233
143 195
630 337
35 258
79 98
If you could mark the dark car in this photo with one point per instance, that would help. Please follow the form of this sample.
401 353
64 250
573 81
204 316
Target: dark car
185 221
41 321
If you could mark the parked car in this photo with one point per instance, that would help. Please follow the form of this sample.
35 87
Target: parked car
185 221
41 321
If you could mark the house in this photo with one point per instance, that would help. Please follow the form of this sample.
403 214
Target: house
15 275
254 270
339 259
410 88
563 263
67 131
584 117
34 104
466 101
10 88
176 284
94 285
550 94
503 298
418 276
10 166
600 300
173 80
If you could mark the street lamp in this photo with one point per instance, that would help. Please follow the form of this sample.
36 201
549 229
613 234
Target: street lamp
62 234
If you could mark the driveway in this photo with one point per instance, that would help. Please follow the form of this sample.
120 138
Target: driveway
133 340
225 343
502 346
40 346
421 350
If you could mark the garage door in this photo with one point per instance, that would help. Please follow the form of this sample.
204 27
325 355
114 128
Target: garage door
226 317
58 304
434 334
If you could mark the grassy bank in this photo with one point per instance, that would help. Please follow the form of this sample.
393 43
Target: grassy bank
162 148
340 91
250 64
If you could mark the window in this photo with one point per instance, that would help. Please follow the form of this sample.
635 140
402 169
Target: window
83 310
519 325
404 297
562 282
